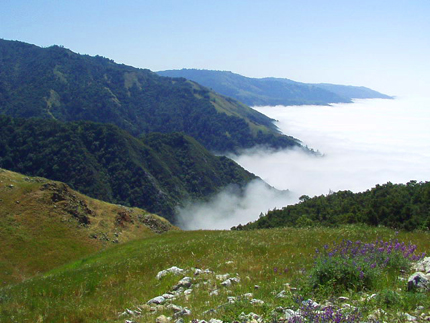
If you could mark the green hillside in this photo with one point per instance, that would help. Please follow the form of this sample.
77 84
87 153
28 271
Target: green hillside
45 224
56 83
270 268
272 91
398 206
157 172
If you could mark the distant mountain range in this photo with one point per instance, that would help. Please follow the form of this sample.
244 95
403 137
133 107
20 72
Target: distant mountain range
273 91
56 83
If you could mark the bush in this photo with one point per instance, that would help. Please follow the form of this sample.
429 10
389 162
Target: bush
357 265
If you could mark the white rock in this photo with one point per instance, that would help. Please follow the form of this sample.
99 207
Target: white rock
222 277
248 295
281 294
215 321
311 303
231 299
156 300
235 280
188 291
162 319
255 301
423 265
214 293
172 270
418 281
174 308
409 317
226 283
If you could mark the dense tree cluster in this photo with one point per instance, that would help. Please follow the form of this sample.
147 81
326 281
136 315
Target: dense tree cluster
400 206
155 172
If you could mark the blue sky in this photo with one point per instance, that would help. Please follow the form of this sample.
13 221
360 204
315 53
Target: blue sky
381 44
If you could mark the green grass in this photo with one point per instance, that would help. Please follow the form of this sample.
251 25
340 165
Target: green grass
38 234
97 288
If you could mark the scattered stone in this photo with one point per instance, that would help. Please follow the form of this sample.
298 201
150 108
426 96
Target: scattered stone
128 321
185 312
235 280
11 185
184 282
162 319
311 303
169 296
343 298
222 277
214 293
132 313
180 320
198 272
418 281
229 262
248 295
188 291
215 321
156 300
423 265
371 297
172 270
281 294
409 317
256 286
175 308
231 299
226 283
255 301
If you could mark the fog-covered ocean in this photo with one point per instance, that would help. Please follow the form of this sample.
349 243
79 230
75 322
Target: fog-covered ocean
361 144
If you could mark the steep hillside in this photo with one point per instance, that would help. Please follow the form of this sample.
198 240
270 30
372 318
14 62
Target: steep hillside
272 91
56 83
398 206
156 173
45 224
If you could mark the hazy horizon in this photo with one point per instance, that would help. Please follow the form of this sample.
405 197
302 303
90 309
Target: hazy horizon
380 45
364 143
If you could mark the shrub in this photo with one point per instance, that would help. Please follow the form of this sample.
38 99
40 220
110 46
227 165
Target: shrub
357 265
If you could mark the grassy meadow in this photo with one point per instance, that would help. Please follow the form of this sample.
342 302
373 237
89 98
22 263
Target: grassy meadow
99 287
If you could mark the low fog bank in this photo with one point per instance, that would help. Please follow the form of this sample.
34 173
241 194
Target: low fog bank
365 143
233 206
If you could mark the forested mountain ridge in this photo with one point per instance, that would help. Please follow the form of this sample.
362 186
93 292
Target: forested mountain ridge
399 206
273 91
156 172
56 83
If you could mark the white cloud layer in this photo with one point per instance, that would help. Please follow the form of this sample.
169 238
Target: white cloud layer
365 143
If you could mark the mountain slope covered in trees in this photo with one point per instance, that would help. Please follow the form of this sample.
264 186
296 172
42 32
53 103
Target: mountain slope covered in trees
273 91
398 206
156 172
56 83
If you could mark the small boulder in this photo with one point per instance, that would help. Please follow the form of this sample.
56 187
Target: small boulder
418 281
162 319
172 270
156 300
